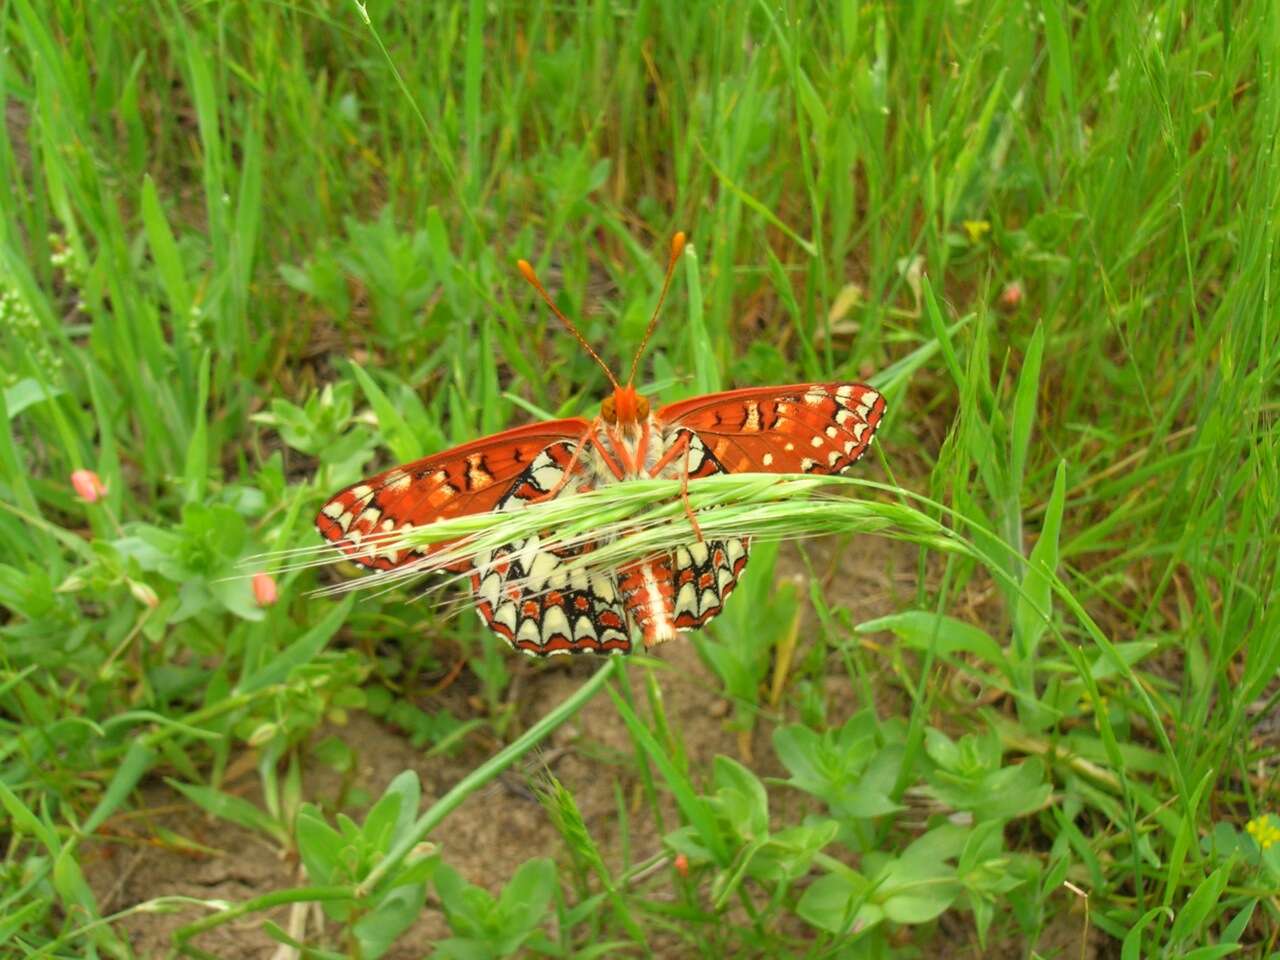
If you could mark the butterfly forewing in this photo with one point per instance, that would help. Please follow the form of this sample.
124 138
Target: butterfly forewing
368 519
802 428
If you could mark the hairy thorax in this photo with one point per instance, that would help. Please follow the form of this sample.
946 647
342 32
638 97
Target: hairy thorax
635 451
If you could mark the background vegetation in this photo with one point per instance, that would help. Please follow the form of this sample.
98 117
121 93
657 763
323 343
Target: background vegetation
251 251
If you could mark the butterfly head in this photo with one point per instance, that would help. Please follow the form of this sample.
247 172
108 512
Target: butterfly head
624 408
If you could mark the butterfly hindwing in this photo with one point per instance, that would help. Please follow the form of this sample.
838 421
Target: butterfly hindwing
527 594
705 573
702 574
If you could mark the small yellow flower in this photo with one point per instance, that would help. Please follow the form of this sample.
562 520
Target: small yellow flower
1264 831
976 229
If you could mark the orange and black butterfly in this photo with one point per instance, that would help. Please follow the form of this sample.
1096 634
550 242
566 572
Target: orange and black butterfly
524 590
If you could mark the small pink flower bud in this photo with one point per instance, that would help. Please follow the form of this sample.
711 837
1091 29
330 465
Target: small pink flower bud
1012 294
264 589
682 865
88 486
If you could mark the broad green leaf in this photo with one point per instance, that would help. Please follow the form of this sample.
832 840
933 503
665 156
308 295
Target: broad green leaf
923 630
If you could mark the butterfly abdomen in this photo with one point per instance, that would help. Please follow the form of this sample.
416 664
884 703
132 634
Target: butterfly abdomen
648 593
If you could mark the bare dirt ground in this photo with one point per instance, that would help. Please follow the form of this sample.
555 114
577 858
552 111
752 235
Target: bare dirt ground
504 825
486 839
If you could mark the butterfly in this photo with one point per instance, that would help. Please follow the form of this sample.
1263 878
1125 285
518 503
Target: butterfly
525 591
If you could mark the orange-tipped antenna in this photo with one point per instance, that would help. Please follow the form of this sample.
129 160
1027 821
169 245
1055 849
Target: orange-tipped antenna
677 248
527 270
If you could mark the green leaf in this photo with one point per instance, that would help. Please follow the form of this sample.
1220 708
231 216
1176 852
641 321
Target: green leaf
394 812
920 884
164 252
138 760
230 807
524 900
924 630
195 474
1131 948
397 910
25 393
301 651
741 797
319 844
1035 600
1024 407
833 903
1194 914
404 443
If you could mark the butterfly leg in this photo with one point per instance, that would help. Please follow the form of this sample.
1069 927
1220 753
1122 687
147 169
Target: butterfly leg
569 469
614 467
684 493
681 446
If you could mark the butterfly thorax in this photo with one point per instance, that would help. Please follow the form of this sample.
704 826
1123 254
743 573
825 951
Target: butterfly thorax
627 451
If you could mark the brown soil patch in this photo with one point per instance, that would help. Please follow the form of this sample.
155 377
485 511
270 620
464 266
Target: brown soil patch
501 826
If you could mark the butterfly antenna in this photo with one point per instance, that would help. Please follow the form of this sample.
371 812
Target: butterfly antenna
677 248
527 271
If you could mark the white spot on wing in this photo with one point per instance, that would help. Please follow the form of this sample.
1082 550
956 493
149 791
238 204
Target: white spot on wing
724 577
687 600
544 565
546 478
506 615
525 553
528 631
554 624
602 586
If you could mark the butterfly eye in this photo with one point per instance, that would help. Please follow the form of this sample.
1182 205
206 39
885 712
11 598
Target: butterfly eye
642 408
607 411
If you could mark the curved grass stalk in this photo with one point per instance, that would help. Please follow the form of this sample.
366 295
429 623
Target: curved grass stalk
482 774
